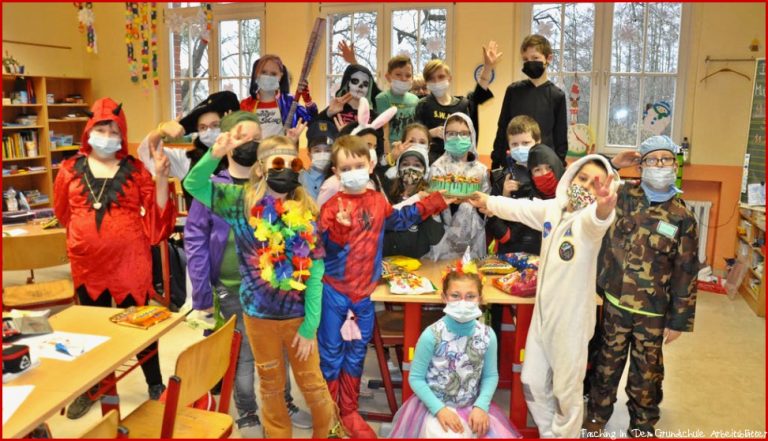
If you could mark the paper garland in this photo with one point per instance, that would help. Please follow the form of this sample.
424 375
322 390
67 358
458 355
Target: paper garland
85 17
141 29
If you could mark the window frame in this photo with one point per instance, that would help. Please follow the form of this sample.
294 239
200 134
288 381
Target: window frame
383 34
601 73
221 12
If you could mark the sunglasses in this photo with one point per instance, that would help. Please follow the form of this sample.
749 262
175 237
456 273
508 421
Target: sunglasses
279 163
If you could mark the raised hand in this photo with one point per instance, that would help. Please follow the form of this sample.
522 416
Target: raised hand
226 142
162 163
347 52
295 132
491 55
437 132
337 103
344 215
510 186
627 158
172 129
606 197
338 121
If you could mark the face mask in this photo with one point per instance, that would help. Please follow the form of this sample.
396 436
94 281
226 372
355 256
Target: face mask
458 146
104 146
659 178
268 83
534 69
359 84
438 89
374 156
520 154
209 136
282 181
462 311
355 180
321 160
245 155
579 197
411 175
546 184
400 87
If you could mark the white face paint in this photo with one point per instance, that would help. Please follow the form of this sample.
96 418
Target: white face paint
358 84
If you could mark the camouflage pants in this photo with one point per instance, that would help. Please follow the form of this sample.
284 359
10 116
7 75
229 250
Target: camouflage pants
642 336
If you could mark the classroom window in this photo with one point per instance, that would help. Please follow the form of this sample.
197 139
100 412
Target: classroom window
382 31
624 57
224 63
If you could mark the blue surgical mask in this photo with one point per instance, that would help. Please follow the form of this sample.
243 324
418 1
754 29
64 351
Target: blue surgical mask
321 160
355 180
458 146
104 146
268 83
520 154
208 137
659 183
462 310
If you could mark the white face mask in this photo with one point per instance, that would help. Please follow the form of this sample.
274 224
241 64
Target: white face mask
462 310
400 87
358 84
104 146
355 180
268 83
374 156
438 89
208 137
660 179
321 160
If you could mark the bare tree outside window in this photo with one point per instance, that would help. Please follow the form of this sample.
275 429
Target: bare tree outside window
360 28
238 50
420 35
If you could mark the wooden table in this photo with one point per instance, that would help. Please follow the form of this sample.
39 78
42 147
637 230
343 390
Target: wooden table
514 332
37 248
57 383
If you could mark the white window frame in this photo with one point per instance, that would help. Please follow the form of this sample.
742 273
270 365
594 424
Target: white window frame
221 12
601 74
384 33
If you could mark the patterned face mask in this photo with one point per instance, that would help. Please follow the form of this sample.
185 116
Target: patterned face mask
411 175
579 197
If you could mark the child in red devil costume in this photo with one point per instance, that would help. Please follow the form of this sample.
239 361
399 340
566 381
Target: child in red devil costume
113 213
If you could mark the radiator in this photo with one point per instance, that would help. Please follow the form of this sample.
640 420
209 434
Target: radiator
700 210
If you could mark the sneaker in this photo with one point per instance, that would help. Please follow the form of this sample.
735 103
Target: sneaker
155 391
79 407
299 418
249 426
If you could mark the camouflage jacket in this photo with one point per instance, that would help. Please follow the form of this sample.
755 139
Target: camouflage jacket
649 257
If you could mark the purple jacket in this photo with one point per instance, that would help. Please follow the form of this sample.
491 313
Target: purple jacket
205 238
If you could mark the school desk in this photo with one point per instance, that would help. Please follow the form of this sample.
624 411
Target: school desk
29 246
514 332
57 382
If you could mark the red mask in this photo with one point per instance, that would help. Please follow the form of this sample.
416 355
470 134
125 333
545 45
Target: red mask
546 184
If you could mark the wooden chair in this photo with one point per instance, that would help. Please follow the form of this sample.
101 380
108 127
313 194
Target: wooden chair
38 295
38 248
108 427
198 369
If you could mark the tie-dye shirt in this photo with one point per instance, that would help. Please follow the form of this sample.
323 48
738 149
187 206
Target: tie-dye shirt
258 297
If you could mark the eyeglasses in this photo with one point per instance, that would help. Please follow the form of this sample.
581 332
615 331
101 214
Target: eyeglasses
664 161
469 297
452 134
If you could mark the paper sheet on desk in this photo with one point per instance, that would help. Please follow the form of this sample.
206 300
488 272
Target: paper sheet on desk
77 344
13 396
13 232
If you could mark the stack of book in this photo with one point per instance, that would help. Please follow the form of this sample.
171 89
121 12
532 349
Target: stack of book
14 144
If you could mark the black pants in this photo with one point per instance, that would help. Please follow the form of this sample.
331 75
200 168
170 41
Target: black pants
151 367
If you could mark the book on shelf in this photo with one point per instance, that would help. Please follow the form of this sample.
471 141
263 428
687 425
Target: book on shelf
20 145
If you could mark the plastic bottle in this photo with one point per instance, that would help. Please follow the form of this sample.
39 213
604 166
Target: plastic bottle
10 200
680 160
686 148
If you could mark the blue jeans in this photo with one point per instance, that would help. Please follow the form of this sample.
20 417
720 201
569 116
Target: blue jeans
245 374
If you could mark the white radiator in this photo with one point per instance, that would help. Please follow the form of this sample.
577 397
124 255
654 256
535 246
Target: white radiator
700 210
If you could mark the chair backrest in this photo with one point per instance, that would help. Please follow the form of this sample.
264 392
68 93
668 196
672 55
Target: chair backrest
203 364
107 427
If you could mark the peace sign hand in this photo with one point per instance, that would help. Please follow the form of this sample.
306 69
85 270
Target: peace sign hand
606 197
226 142
162 164
344 215
295 132
337 103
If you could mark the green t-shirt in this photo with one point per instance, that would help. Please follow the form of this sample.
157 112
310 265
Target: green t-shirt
406 109
230 266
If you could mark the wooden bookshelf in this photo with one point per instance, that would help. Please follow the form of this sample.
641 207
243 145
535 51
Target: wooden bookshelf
749 243
61 117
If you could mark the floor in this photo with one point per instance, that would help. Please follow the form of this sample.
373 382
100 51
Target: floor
714 385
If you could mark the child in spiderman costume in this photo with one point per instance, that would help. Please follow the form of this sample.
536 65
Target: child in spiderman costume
352 225
113 212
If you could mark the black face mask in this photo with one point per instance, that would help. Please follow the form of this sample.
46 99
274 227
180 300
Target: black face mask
534 69
245 154
282 181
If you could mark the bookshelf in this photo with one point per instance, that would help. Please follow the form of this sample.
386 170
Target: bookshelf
51 132
750 248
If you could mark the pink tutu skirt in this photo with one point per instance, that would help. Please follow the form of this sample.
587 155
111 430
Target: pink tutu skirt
410 418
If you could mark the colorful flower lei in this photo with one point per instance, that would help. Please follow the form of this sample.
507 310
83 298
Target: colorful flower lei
287 236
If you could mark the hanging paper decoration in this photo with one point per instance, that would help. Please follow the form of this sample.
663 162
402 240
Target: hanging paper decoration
131 35
208 19
362 30
85 18
141 30
657 116
153 42
199 26
545 29
573 98
434 45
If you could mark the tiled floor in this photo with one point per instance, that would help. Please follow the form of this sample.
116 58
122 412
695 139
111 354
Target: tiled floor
715 377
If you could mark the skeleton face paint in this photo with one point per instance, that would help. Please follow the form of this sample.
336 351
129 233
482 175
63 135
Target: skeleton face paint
359 83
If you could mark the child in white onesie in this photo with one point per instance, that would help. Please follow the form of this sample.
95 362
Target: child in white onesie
572 227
